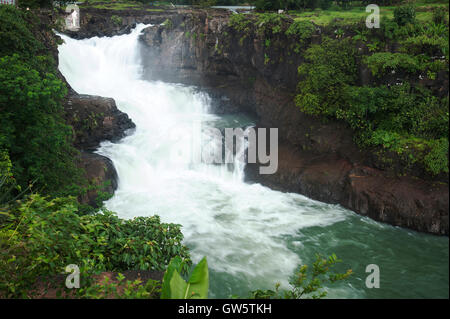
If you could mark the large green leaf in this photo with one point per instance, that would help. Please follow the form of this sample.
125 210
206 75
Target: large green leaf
178 287
174 265
198 283
174 287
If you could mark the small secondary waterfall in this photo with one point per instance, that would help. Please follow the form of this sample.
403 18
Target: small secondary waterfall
252 236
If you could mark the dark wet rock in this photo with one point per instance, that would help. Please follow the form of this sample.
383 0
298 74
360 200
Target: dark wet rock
101 176
95 119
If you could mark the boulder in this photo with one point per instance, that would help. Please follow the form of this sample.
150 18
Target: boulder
101 175
95 119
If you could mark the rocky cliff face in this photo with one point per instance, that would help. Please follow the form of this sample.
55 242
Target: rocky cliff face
317 159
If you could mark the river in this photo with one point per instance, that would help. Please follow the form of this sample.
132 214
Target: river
252 236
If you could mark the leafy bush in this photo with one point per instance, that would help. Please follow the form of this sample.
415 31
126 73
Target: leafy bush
404 14
307 283
40 237
391 30
437 158
121 289
404 119
15 36
270 23
240 22
385 62
431 46
302 30
329 67
32 127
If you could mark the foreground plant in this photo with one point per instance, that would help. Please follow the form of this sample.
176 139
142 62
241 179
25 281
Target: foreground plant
40 237
307 283
175 287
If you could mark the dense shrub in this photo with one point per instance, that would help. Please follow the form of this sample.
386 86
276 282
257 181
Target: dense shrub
15 36
303 30
40 237
270 23
308 281
406 120
386 62
332 66
431 46
32 128
404 14
240 22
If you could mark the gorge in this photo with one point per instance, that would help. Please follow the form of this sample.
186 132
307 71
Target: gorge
253 236
316 158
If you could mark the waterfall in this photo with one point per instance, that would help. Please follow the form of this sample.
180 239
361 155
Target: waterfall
249 233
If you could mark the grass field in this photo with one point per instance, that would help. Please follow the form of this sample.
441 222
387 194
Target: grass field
354 14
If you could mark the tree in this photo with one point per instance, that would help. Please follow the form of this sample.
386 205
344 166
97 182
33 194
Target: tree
32 127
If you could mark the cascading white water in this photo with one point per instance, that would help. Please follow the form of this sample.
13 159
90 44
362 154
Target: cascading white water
238 226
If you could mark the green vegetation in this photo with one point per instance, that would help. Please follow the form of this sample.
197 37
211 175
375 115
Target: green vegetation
33 133
240 23
168 24
306 283
382 63
116 20
40 237
303 30
150 6
396 112
333 67
404 15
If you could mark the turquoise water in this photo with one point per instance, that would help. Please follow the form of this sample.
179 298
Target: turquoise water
412 265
